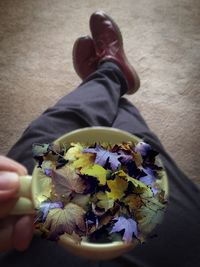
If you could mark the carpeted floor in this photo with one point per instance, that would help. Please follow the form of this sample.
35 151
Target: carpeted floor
161 38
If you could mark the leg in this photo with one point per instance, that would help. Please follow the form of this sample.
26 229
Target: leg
93 103
177 243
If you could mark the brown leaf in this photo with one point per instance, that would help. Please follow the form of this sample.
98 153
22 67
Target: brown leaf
67 181
67 220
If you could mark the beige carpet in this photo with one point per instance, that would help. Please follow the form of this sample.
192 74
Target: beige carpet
161 37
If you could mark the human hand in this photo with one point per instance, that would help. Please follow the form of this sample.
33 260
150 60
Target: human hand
15 231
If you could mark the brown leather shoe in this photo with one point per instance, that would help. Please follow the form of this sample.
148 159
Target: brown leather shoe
109 47
84 57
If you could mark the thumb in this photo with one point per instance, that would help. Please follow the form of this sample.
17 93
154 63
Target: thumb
9 185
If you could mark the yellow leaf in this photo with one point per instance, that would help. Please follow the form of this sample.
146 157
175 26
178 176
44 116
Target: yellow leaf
117 187
139 186
74 152
121 174
138 159
45 185
85 160
96 171
103 201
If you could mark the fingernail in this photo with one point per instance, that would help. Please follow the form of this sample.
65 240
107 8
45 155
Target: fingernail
8 180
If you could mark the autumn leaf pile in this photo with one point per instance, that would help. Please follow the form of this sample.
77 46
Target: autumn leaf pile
101 192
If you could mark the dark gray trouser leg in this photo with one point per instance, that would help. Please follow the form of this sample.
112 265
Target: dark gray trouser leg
96 102
93 103
177 243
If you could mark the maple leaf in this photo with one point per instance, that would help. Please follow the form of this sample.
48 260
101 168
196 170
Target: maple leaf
85 160
139 187
81 200
126 146
128 225
150 214
45 186
103 201
40 149
96 171
117 188
138 159
103 155
128 153
132 169
133 201
73 152
67 181
147 152
90 182
47 167
149 178
46 206
67 220
143 148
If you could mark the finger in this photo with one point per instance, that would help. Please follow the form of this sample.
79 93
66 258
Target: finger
7 164
6 234
6 207
23 232
9 185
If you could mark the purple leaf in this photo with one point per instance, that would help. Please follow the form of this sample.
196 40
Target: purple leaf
149 179
143 148
48 172
103 155
125 158
154 190
129 225
148 154
47 205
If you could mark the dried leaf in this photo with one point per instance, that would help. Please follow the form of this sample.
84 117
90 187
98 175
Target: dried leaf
47 167
67 181
103 155
126 146
103 201
150 215
67 220
45 185
133 201
150 178
74 152
128 225
81 200
117 188
96 171
138 159
143 148
40 149
139 186
46 206
85 160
